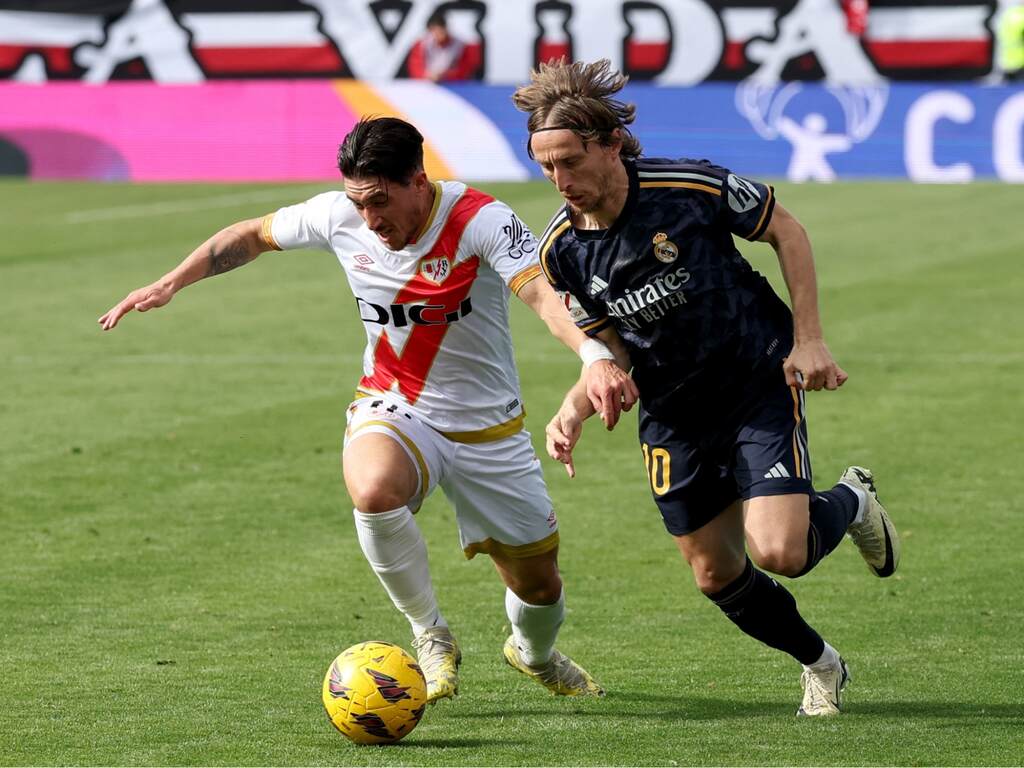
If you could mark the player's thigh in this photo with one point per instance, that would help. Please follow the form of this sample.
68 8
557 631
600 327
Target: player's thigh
773 476
501 503
715 551
770 455
691 485
776 530
391 458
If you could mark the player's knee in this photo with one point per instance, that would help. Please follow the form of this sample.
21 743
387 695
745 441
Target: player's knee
781 559
712 577
376 494
539 593
541 586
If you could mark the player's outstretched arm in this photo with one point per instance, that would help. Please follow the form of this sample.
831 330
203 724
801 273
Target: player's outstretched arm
566 426
606 380
231 247
810 356
564 430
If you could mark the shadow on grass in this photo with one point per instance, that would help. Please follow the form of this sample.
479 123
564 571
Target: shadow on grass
696 708
640 706
413 744
954 710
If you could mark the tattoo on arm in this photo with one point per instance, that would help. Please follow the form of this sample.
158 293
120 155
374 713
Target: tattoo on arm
226 257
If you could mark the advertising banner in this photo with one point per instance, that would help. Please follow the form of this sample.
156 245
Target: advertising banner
671 42
290 130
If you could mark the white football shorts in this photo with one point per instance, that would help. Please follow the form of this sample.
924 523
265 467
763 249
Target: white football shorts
497 488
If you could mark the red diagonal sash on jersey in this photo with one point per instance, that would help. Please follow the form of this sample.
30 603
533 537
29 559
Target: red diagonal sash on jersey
421 348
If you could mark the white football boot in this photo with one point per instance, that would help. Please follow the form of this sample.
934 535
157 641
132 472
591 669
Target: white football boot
823 689
875 536
439 658
561 675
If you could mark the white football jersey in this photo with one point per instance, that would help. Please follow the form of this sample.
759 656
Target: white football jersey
436 312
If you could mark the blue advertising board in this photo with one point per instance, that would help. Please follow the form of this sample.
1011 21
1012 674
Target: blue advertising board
815 132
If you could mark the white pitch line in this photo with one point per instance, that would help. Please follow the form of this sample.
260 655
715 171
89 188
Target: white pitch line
162 208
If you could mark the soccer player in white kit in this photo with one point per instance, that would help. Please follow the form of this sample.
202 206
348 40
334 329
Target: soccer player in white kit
431 266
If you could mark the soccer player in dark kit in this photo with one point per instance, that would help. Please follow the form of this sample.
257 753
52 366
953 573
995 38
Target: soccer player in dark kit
643 255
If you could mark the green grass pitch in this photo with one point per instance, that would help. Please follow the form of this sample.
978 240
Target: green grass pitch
178 564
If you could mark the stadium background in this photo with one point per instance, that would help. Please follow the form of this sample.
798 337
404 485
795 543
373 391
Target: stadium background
177 566
805 89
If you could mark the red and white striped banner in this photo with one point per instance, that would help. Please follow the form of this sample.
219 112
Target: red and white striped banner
669 41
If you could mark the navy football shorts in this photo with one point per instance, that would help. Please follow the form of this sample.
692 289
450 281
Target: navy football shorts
757 447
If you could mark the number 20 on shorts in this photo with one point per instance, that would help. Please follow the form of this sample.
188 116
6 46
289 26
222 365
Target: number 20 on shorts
659 468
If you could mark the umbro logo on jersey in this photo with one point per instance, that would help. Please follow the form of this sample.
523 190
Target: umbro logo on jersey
778 471
597 285
363 261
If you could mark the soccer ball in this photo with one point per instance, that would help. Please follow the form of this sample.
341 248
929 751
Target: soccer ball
374 693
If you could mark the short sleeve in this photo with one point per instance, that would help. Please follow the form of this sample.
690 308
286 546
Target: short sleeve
508 246
747 206
588 314
306 225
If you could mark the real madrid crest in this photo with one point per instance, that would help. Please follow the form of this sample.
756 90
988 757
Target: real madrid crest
664 249
436 269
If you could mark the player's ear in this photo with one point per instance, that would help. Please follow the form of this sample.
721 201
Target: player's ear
614 145
420 180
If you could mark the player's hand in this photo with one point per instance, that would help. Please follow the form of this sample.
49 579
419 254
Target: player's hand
815 366
561 435
155 295
610 390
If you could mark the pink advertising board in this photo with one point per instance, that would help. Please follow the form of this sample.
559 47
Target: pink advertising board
226 131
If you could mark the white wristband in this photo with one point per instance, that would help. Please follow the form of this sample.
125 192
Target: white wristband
592 350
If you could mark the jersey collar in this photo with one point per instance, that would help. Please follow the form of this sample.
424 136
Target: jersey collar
433 214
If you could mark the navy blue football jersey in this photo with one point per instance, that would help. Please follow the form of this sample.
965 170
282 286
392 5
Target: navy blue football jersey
700 324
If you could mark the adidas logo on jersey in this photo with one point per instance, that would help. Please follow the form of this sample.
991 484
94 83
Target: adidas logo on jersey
776 472
597 285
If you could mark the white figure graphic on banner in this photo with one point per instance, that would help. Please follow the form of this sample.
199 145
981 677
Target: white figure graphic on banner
765 107
811 143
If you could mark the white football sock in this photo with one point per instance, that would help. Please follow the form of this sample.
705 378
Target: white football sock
829 658
396 552
534 627
862 501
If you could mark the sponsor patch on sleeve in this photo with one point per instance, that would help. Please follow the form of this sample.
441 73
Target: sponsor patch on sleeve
576 310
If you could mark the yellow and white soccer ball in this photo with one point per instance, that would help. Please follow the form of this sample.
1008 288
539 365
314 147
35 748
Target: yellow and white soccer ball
374 693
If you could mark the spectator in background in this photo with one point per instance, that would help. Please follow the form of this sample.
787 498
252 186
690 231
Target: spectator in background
856 16
1011 42
438 55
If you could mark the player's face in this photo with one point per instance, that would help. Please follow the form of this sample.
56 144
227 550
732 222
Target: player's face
394 212
583 173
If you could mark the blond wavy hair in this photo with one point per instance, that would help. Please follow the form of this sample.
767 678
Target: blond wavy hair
578 96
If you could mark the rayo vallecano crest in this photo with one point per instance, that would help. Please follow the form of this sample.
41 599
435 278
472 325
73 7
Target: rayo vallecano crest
436 269
664 249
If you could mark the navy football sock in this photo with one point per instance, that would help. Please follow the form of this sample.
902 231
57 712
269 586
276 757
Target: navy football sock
765 610
831 514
